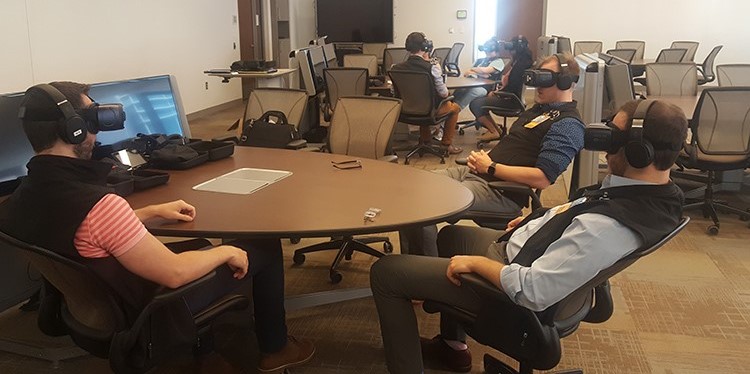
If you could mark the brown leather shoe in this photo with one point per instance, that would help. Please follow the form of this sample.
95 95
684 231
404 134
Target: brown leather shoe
453 150
295 353
436 350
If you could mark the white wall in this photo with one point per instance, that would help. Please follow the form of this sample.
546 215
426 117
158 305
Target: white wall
658 22
436 18
94 41
301 22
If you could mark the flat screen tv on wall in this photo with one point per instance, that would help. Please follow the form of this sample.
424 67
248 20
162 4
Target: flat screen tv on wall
368 21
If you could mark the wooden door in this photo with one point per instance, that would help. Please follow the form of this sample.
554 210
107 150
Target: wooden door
520 17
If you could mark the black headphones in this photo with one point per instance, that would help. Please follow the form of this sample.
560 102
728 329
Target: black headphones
78 123
72 129
638 150
545 78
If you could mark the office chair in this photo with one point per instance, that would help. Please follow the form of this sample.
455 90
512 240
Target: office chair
667 55
369 62
671 79
533 338
78 303
417 90
626 54
361 127
706 69
374 49
450 64
731 75
580 47
511 106
638 45
392 56
720 141
343 82
291 102
689 46
441 54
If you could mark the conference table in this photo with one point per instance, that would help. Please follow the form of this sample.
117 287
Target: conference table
316 200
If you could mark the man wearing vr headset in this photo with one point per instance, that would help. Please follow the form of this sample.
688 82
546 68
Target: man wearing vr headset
64 205
540 259
539 147
490 67
420 47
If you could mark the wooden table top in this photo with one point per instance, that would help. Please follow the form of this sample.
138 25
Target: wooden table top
317 200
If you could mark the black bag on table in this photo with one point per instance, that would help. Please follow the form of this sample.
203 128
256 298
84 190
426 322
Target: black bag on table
262 132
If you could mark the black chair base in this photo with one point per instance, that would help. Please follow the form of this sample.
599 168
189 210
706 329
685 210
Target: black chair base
423 148
495 366
346 247
711 206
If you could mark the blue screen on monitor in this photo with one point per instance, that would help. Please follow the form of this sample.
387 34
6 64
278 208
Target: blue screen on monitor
15 149
150 107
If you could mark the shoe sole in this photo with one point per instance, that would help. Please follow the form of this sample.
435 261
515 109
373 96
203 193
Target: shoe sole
289 365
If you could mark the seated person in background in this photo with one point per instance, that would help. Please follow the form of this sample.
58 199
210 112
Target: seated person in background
490 67
511 82
543 258
64 205
539 147
420 47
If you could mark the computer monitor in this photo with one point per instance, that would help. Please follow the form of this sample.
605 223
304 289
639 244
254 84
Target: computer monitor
152 106
15 149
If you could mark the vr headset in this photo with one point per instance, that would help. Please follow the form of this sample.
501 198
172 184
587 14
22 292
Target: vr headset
492 45
548 78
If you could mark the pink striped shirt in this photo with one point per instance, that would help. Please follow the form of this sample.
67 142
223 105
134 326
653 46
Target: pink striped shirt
110 229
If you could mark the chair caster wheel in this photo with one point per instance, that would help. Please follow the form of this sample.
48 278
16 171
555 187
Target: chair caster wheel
298 258
348 256
442 160
712 230
335 276
387 247
461 131
295 240
406 161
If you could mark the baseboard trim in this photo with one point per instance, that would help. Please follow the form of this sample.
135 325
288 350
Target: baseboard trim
211 110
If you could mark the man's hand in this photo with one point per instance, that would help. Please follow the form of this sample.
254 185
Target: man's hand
512 224
178 210
479 161
238 261
458 266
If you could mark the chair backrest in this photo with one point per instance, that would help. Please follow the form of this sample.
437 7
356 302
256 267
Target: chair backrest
618 82
91 313
288 101
362 126
329 51
345 82
586 47
672 79
454 53
374 49
733 75
638 45
690 47
441 54
721 122
369 62
625 54
707 67
416 89
392 56
671 55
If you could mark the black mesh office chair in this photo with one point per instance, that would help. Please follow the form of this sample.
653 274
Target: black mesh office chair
720 141
392 56
626 54
706 69
510 106
343 82
78 303
531 338
419 107
450 65
441 54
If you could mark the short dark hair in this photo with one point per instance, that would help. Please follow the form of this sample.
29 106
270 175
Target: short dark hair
567 58
415 41
42 115
665 123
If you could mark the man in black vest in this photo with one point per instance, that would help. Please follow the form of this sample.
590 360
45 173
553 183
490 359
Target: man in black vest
539 147
419 60
543 258
64 205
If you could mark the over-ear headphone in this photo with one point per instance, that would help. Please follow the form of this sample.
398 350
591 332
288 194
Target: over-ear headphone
638 150
564 79
72 129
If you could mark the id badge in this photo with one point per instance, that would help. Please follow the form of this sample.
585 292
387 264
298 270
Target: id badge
536 121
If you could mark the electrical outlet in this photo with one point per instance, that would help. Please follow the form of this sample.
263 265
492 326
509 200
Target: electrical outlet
234 20
234 45
206 85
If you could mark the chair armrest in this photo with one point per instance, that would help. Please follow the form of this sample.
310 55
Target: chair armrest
447 99
226 138
462 161
296 144
389 158
603 304
518 188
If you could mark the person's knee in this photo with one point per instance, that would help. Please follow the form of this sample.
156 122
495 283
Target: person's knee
381 272
446 239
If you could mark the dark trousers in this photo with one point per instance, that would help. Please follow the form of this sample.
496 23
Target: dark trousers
396 280
266 278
